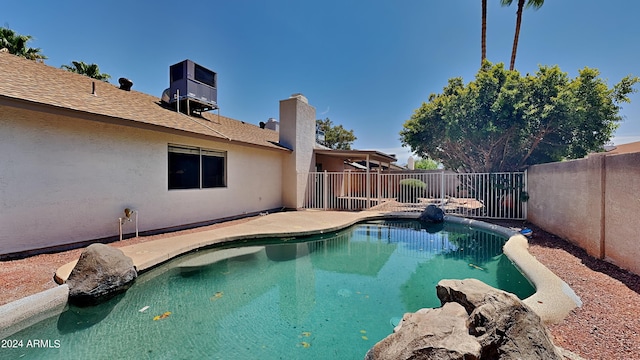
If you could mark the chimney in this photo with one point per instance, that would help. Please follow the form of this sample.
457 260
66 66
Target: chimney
298 120
272 124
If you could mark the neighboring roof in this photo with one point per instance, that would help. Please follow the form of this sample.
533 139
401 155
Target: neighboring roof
354 155
625 148
36 86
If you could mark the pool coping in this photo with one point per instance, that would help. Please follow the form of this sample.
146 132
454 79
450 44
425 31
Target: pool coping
552 301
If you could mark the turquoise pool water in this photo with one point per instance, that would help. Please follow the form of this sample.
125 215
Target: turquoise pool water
329 296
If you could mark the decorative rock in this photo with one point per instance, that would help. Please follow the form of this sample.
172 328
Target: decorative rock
432 213
469 293
429 334
101 273
476 321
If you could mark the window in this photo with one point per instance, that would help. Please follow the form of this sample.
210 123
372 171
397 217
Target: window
196 168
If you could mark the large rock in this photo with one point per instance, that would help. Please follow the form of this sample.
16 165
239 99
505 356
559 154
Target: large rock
429 334
433 214
496 323
504 326
101 273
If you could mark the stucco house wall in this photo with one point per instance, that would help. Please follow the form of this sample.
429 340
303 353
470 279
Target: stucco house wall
330 164
65 180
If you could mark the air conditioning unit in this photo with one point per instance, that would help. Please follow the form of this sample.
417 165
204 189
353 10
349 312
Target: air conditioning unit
192 88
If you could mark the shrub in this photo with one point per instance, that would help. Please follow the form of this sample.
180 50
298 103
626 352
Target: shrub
411 190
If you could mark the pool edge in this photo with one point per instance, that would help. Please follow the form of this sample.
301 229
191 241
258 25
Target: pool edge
22 313
552 301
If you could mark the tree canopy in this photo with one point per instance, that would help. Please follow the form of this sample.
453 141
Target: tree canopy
425 164
335 137
90 70
503 121
16 44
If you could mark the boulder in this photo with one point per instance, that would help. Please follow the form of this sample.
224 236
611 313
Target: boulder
433 214
476 321
429 334
504 326
101 273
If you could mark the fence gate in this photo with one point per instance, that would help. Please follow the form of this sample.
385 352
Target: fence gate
478 195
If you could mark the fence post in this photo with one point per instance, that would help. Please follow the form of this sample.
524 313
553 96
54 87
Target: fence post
379 186
349 189
442 190
526 191
325 190
368 185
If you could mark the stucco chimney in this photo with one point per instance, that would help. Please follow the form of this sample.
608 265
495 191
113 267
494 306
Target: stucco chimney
297 132
272 124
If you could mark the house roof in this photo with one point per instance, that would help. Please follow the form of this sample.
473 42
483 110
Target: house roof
354 155
36 86
625 148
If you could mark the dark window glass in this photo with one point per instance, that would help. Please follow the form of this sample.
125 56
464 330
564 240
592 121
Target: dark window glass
187 164
184 168
177 72
205 76
212 171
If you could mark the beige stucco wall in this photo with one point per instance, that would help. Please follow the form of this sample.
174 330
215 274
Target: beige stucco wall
330 163
622 211
297 132
565 198
65 180
593 203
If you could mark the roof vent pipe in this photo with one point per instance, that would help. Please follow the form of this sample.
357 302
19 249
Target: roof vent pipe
125 84
93 88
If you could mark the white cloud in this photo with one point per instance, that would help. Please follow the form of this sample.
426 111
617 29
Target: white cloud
326 111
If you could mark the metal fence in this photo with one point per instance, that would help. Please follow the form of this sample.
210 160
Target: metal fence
478 195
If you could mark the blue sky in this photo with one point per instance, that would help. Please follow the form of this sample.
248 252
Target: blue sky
365 64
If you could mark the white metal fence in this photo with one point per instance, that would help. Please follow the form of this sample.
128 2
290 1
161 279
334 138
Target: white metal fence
480 195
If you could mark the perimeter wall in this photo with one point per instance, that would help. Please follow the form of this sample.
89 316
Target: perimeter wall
592 202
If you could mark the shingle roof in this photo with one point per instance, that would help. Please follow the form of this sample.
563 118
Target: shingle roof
37 83
625 148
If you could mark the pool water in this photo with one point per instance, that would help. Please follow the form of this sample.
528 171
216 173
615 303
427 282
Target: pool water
326 296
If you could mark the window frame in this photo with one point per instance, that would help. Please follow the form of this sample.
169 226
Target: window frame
215 181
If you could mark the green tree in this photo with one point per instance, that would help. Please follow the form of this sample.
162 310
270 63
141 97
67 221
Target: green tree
16 44
90 70
536 4
503 121
425 164
335 137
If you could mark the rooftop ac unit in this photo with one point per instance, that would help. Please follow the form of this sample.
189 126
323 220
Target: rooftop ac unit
192 87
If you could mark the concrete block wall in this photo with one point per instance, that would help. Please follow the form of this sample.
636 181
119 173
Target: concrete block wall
592 202
622 211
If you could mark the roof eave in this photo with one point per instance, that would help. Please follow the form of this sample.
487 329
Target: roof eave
84 115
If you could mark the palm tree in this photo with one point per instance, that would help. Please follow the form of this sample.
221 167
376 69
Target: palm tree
521 5
16 44
90 70
484 31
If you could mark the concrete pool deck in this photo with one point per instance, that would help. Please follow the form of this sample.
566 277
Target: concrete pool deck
553 299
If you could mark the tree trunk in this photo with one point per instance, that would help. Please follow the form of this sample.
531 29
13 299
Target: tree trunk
517 35
484 31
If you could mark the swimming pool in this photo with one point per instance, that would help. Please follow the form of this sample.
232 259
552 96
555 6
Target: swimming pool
325 296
